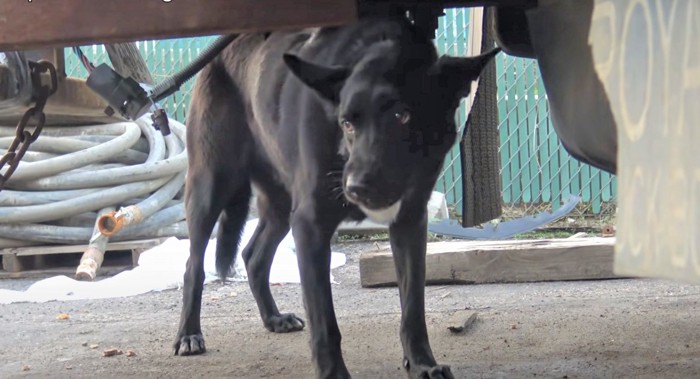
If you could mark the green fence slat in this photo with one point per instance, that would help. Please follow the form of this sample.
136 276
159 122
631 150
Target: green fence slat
583 182
596 192
501 73
440 46
460 30
524 158
150 57
513 137
166 50
449 176
178 112
565 173
535 177
604 186
556 166
543 148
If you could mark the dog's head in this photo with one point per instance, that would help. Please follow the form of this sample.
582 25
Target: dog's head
396 113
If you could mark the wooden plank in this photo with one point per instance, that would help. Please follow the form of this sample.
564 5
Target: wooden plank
62 249
127 60
35 261
654 102
11 263
67 271
475 262
366 226
27 24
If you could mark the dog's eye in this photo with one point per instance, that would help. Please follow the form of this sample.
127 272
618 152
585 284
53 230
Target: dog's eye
404 117
347 125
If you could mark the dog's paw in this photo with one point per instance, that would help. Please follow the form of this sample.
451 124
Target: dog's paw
436 372
189 345
429 372
284 323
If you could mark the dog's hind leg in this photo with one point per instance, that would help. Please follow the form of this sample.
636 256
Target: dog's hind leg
203 208
274 206
218 180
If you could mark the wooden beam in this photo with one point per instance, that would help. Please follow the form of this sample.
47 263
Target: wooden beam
66 271
366 226
27 24
128 62
62 249
475 262
658 165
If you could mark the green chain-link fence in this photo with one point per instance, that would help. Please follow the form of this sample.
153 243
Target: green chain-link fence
537 173
451 38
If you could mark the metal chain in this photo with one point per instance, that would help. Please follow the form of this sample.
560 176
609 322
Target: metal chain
23 137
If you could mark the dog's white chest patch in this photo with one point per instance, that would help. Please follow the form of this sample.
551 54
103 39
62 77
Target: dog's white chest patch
383 216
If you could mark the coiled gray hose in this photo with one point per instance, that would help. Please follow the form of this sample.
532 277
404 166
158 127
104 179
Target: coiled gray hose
72 173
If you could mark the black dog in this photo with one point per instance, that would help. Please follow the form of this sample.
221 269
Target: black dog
361 132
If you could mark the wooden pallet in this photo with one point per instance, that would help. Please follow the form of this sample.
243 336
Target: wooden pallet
474 262
37 261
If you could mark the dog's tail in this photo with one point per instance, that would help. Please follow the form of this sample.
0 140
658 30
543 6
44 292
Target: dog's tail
232 224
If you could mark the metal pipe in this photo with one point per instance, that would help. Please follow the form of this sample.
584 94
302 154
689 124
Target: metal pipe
94 255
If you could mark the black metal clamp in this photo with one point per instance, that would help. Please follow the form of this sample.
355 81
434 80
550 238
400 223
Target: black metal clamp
132 101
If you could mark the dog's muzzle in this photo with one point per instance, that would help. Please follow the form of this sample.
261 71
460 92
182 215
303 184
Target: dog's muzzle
367 195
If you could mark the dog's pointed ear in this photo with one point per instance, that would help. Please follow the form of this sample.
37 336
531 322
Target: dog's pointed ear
327 81
455 74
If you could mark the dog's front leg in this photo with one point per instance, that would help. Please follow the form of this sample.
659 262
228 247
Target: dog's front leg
312 228
408 237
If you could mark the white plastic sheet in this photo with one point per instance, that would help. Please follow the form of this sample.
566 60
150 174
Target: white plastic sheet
160 268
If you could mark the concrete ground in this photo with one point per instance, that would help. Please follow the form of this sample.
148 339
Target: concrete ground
584 329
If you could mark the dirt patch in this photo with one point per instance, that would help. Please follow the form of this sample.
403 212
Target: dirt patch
613 328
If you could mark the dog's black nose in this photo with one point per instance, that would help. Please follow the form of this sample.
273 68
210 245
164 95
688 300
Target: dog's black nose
357 193
355 190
